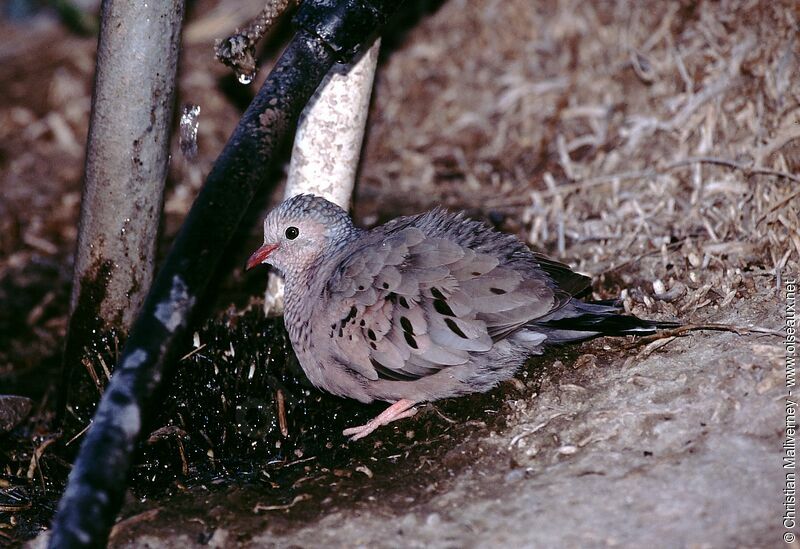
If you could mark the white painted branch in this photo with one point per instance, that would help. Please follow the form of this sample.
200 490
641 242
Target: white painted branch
327 145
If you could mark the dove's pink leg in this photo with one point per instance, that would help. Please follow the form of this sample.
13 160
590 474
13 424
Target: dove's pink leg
399 410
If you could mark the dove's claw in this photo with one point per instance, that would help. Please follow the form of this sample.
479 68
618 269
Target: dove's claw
399 410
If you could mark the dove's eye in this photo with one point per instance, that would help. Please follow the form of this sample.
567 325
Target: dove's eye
292 232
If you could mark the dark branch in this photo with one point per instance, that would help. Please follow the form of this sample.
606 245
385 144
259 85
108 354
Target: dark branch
329 32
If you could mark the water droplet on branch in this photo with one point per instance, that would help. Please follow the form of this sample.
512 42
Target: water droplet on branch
246 77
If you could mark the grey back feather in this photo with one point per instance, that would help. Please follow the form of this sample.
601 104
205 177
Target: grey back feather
422 293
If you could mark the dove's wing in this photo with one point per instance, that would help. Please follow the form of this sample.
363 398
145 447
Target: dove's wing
418 296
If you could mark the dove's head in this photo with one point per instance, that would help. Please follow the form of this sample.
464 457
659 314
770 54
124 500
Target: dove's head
300 231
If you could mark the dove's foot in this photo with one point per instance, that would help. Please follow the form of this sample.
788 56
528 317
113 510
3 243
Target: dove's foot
399 410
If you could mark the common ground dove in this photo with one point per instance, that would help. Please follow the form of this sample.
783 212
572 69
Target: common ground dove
424 307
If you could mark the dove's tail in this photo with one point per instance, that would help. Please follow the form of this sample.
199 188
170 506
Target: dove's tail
579 320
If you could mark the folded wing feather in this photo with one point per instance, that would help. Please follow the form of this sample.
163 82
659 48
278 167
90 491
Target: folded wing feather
418 299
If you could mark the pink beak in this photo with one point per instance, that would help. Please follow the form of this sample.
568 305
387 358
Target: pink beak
260 255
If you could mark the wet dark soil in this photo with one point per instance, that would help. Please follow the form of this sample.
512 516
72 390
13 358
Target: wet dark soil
240 427
242 466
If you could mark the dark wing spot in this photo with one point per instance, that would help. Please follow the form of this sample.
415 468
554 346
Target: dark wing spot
372 344
454 327
388 373
371 335
360 288
411 341
497 291
436 293
350 316
341 333
385 285
442 307
476 273
406 324
403 302
362 323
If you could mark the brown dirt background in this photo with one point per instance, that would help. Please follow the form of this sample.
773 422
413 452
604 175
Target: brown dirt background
654 145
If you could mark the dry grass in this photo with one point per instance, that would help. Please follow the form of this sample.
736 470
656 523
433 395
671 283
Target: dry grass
611 131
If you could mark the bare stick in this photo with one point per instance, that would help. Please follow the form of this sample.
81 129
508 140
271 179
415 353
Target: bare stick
686 328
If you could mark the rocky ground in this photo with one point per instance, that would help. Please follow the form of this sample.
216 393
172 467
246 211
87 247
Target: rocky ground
653 145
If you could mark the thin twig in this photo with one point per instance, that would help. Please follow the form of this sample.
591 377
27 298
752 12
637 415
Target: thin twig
104 365
637 258
654 346
295 462
87 363
297 499
192 352
282 422
441 415
14 508
182 452
36 456
686 328
748 170
73 439
645 174
124 524
778 206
